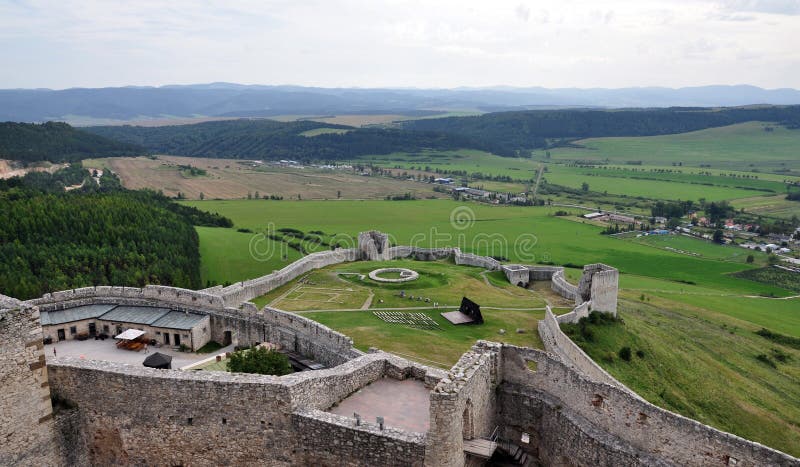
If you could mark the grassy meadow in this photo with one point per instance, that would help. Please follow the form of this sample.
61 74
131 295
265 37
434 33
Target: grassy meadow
525 234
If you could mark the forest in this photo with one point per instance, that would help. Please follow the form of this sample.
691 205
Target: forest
273 140
97 235
57 142
508 132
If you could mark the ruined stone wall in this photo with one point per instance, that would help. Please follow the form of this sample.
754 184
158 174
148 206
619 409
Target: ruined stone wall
562 287
247 290
599 424
605 285
133 415
580 311
475 260
329 439
559 344
517 274
463 405
27 430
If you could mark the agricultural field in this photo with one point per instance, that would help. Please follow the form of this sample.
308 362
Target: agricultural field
705 365
693 246
744 146
524 234
324 131
230 179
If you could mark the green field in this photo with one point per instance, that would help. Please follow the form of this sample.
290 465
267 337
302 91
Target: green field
704 366
345 286
441 347
325 131
694 246
744 146
498 231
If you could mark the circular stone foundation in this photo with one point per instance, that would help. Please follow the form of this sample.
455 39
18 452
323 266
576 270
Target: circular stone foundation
405 275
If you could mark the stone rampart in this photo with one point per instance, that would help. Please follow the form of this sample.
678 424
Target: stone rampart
247 290
559 344
580 311
599 424
599 283
562 287
137 415
463 405
470 259
27 430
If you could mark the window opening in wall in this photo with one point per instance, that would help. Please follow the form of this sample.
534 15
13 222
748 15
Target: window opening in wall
189 421
224 421
525 438
73 329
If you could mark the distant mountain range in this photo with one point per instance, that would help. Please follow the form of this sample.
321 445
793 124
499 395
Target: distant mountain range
110 105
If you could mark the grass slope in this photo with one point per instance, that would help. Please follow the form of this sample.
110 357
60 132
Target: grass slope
704 366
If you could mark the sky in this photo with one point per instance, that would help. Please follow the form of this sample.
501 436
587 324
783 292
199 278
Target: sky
392 43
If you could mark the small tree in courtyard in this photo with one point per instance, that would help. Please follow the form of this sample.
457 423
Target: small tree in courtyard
259 360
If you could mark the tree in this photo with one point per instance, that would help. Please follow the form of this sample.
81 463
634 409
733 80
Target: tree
259 360
750 259
718 237
584 186
202 196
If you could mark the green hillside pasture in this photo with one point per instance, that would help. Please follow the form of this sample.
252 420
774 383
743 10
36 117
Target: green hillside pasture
469 160
778 315
442 347
493 230
704 369
732 146
687 245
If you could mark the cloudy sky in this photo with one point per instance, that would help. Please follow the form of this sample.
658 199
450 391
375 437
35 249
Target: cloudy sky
430 43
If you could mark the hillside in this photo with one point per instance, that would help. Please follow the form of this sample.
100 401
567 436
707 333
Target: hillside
96 106
57 142
510 131
272 140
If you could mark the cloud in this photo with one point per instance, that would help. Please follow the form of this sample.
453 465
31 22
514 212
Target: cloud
775 7
522 12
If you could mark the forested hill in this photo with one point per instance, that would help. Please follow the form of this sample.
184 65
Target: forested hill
57 142
97 235
507 132
269 139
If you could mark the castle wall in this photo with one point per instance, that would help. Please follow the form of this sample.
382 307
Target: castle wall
120 414
27 429
603 415
329 439
463 405
562 287
605 285
247 290
559 344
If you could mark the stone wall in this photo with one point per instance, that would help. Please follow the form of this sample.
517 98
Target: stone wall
599 283
562 287
247 325
27 430
580 311
463 405
136 415
599 424
559 344
247 290
328 439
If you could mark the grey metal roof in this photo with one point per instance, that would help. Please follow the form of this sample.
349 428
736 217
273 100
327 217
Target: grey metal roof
135 314
74 314
178 320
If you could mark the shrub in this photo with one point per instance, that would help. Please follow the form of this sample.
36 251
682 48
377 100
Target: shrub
625 353
259 360
640 353
764 358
